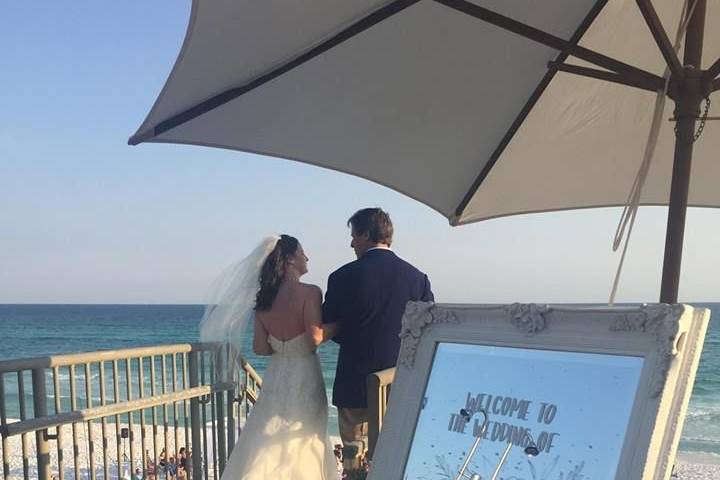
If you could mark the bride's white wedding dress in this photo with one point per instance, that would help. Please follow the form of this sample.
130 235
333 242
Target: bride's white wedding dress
285 437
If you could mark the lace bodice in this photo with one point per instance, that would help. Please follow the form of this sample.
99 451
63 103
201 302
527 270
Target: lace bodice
298 346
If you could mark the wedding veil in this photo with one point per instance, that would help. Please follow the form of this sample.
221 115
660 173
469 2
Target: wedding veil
230 308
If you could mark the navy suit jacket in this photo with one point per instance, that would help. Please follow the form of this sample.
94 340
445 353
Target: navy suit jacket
367 298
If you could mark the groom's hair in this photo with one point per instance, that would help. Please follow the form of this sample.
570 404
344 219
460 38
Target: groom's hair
375 222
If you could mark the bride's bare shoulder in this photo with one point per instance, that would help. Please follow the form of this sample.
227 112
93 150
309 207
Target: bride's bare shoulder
311 291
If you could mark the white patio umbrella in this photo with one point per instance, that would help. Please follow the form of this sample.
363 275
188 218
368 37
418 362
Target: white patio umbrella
478 109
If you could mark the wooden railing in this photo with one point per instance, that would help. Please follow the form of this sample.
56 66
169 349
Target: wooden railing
379 384
137 386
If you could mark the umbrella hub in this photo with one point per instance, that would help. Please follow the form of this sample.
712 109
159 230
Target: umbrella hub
688 90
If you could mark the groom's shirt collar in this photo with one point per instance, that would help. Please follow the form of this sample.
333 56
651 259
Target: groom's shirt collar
377 248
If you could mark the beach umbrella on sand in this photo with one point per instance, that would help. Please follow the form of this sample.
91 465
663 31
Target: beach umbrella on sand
478 109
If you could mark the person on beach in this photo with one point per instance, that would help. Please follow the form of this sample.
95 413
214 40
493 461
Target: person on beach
285 436
171 468
366 299
182 463
188 464
149 466
162 460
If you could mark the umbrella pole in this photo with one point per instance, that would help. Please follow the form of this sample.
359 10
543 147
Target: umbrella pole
687 93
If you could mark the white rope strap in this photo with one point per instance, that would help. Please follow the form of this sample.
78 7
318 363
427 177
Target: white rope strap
627 219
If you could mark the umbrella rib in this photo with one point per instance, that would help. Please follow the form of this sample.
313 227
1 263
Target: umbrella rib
661 38
233 93
714 70
546 38
534 97
637 82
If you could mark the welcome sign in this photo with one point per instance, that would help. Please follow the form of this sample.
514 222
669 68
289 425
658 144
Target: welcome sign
572 407
528 392
504 432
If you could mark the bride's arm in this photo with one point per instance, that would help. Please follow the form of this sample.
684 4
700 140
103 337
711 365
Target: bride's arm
260 339
312 316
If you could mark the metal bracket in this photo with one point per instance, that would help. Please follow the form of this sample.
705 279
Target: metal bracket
675 119
702 118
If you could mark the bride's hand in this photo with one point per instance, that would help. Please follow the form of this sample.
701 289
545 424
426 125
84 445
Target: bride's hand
329 331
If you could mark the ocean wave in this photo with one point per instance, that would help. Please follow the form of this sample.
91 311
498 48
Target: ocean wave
702 439
79 376
53 397
711 457
705 412
706 393
699 448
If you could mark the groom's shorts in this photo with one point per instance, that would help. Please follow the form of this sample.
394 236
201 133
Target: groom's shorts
353 424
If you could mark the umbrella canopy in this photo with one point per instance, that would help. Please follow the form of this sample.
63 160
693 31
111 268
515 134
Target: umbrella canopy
478 109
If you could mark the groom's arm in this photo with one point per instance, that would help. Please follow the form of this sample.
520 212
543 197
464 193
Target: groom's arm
427 291
335 305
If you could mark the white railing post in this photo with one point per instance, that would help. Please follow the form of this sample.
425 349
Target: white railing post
41 436
230 420
195 425
215 394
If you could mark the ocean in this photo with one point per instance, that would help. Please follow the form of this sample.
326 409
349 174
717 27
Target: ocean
41 330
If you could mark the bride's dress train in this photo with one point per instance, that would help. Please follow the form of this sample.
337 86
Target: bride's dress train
285 437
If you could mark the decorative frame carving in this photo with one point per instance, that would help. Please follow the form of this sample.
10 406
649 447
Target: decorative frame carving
662 320
419 315
668 337
528 317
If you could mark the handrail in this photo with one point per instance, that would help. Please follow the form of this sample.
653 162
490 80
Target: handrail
385 377
251 372
84 415
65 360
378 391
152 380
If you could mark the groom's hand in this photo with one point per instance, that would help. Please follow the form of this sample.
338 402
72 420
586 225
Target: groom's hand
336 302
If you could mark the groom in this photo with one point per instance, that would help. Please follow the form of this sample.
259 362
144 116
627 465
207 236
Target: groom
367 299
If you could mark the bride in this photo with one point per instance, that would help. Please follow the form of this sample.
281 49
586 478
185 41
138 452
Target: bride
285 436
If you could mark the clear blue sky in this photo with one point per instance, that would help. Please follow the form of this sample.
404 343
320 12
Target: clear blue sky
86 218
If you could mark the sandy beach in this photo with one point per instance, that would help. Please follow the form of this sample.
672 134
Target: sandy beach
689 466
16 457
698 467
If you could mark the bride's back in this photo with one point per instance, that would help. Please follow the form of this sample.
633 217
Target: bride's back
284 320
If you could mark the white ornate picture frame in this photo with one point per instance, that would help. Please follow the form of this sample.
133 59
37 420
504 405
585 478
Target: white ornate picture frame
619 379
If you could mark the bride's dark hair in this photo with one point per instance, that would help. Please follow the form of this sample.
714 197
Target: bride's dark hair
273 271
